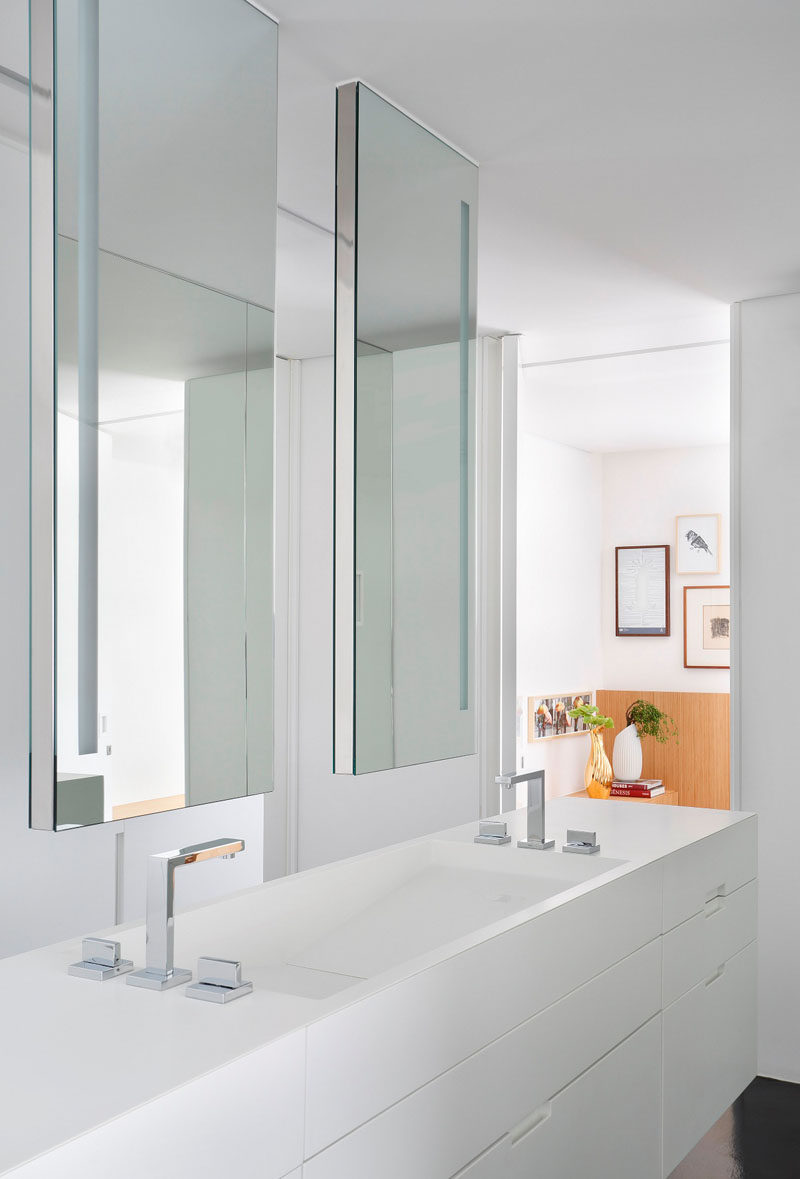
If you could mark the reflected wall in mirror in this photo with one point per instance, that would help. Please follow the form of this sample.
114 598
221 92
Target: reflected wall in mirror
152 384
406 246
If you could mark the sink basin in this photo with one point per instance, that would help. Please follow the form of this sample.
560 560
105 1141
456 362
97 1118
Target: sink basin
434 893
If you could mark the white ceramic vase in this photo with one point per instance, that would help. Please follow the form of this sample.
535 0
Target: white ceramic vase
627 755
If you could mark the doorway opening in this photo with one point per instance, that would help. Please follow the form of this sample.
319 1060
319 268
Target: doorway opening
623 559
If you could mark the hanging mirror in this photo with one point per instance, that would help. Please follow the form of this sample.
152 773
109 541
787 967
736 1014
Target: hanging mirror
153 213
406 244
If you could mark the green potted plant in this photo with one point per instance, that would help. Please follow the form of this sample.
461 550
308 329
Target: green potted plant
598 773
643 720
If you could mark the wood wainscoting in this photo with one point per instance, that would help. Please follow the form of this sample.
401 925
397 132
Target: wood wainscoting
148 806
699 766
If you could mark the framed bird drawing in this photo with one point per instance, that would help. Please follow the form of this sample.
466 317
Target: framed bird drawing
697 543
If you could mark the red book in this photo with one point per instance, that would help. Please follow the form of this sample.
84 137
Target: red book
633 791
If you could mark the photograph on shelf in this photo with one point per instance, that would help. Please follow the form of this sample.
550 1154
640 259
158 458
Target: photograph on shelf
697 543
642 589
707 626
548 715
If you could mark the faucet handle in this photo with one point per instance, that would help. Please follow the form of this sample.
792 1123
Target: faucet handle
219 980
219 972
101 960
583 843
492 831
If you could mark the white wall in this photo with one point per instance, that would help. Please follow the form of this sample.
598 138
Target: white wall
342 815
559 561
643 491
58 885
766 338
559 573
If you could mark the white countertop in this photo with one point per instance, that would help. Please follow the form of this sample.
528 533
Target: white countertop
77 1054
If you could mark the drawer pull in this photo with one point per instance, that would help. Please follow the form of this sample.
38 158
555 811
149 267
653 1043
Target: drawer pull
531 1123
718 973
719 891
714 905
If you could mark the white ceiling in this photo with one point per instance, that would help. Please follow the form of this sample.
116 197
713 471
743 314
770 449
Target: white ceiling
665 399
638 170
638 162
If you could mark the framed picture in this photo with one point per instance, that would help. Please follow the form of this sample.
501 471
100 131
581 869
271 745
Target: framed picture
697 544
547 715
642 589
707 626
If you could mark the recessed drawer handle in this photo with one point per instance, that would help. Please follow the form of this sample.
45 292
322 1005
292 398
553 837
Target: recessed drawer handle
531 1122
719 891
718 973
715 905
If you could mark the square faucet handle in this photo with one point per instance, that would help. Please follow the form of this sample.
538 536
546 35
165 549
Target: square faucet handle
101 960
219 980
100 951
492 831
219 972
582 842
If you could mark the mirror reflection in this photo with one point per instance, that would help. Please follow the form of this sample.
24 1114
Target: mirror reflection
164 398
415 217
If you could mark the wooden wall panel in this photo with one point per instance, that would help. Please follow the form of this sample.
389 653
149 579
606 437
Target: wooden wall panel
699 766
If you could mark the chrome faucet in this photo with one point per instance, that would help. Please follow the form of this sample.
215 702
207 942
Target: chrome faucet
537 838
160 972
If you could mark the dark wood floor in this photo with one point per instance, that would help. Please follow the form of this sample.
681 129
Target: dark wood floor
757 1138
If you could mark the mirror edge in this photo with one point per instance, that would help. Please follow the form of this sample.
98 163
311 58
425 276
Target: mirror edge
344 429
42 816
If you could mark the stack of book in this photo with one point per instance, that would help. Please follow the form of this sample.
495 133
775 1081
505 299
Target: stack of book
640 788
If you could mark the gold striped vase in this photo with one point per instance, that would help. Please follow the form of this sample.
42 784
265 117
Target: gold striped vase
598 767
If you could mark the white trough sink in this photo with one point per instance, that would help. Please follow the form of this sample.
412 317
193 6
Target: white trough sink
420 897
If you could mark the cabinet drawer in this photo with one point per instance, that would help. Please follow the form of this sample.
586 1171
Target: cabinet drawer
364 1059
607 1123
713 867
709 1053
692 951
491 1164
447 1123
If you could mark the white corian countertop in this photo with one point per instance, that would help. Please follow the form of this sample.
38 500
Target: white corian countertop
76 1054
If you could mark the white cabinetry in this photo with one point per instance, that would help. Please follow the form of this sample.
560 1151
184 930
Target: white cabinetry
606 1123
367 1057
712 867
491 1164
709 1052
439 1128
709 984
444 1077
601 1034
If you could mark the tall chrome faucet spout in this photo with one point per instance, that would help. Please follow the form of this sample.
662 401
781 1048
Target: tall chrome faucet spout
160 971
537 839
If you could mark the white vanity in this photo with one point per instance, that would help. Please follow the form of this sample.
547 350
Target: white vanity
435 1010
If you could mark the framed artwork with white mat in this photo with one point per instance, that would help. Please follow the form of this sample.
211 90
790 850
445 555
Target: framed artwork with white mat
697 543
707 626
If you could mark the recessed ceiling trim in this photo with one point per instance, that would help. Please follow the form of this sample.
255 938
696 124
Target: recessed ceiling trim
632 352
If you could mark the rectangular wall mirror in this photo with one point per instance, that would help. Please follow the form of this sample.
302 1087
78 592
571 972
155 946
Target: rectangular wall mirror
153 217
406 245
